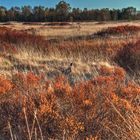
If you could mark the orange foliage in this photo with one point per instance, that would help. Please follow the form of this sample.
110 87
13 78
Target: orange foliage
12 38
32 80
62 87
129 57
5 85
125 30
131 91
73 111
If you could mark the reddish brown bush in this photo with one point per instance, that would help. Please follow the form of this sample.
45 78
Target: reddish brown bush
119 30
102 107
129 57
5 85
10 37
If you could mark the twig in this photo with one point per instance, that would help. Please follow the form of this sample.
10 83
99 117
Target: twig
39 127
9 125
27 124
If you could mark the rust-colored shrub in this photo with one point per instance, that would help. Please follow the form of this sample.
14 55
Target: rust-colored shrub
102 107
62 87
32 80
119 30
128 57
12 37
5 85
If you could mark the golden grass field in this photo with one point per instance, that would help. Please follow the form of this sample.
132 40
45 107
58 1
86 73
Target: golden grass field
74 29
60 56
98 100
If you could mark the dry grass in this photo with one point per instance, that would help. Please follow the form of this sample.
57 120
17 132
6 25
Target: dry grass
98 100
72 30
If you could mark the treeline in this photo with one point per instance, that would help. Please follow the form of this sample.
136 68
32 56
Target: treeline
64 12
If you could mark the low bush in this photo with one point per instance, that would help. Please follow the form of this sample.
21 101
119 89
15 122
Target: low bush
102 108
119 30
11 37
129 57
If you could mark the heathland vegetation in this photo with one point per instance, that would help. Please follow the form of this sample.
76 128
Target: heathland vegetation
69 80
98 100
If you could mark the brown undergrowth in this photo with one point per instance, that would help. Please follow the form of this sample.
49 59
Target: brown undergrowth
104 107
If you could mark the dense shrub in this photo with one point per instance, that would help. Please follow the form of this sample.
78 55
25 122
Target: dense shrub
101 108
129 57
10 38
119 30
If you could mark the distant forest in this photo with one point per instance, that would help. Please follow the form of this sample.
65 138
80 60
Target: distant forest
63 13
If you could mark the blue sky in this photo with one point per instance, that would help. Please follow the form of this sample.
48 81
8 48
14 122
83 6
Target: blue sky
75 3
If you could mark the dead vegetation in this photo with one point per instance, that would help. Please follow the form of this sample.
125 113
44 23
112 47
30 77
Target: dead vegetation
99 98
